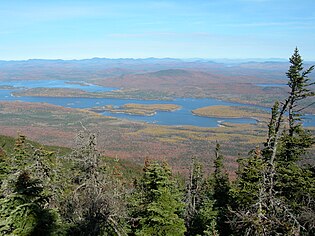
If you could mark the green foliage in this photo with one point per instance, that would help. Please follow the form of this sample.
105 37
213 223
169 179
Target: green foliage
205 221
23 211
221 181
299 82
293 181
21 153
200 213
221 195
4 167
86 189
246 192
249 176
273 190
208 200
156 205
27 192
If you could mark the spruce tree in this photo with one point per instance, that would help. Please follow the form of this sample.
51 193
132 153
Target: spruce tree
208 200
194 197
23 212
246 194
4 168
156 206
294 182
245 190
200 214
24 208
284 191
221 190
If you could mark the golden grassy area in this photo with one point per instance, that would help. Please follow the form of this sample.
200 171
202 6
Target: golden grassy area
232 112
147 109
244 133
137 109
152 107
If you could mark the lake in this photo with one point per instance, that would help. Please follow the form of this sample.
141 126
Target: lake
179 117
271 85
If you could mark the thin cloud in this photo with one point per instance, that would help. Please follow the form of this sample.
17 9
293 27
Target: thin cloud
270 24
162 34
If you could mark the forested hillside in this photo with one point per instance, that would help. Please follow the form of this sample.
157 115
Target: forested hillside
54 191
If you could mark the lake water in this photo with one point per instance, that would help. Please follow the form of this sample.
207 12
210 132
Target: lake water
271 85
56 84
179 117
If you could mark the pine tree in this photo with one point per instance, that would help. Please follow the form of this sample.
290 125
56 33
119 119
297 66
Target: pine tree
156 205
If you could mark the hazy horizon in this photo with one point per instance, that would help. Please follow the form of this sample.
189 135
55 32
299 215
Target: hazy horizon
216 60
232 29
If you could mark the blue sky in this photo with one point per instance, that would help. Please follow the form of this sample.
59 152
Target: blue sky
76 29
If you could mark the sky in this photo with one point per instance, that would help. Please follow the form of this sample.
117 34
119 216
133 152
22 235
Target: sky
78 29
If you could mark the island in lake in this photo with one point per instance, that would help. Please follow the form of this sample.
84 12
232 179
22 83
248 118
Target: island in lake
232 112
136 109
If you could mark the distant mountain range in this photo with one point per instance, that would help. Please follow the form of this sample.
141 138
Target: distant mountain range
97 68
157 60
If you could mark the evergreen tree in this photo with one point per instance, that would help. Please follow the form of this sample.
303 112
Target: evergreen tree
4 168
283 187
246 195
221 195
156 205
206 219
194 197
245 190
23 212
24 207
200 215
208 200
294 182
